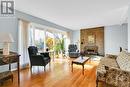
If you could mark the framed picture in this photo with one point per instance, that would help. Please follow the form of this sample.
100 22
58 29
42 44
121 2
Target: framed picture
91 39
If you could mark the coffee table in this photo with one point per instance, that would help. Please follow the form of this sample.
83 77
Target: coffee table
80 61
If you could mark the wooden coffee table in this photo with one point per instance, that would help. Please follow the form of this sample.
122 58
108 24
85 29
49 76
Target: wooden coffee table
80 61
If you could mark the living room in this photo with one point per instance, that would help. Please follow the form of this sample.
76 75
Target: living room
49 30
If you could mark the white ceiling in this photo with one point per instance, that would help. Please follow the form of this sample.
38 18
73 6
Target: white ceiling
77 14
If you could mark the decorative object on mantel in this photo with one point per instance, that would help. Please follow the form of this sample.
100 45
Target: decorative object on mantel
6 39
82 42
91 39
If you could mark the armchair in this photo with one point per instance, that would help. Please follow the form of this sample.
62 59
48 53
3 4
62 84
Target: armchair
73 51
38 60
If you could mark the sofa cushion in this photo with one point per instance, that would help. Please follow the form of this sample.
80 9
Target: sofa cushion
117 77
107 62
111 76
123 60
111 56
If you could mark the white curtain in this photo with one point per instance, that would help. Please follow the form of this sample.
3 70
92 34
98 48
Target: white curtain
23 43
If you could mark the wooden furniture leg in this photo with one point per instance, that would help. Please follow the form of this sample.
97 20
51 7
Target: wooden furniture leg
83 69
72 66
18 71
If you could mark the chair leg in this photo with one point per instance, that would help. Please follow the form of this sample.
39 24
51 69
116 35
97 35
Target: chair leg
31 69
44 68
104 84
49 64
96 82
12 78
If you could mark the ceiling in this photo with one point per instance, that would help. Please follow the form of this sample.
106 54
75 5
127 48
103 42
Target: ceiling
77 14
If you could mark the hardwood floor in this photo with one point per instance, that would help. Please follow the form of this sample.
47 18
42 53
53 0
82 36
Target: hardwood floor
57 75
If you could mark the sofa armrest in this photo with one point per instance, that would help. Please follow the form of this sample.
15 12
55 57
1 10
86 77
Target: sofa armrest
111 56
117 77
77 51
37 58
45 54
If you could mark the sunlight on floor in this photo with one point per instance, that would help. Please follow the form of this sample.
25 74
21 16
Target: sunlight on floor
58 74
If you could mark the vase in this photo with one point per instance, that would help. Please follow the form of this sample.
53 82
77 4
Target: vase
81 57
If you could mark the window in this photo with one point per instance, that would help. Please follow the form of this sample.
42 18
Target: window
36 38
39 39
52 39
49 40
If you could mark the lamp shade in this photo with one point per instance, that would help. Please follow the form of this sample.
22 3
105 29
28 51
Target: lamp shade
6 38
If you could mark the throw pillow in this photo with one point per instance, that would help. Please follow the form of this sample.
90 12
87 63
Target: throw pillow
123 60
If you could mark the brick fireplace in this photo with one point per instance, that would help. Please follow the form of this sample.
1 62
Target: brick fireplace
92 40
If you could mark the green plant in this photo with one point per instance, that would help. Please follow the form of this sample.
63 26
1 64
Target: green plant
57 49
59 46
62 44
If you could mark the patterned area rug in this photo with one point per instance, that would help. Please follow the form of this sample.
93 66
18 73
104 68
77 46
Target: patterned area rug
95 57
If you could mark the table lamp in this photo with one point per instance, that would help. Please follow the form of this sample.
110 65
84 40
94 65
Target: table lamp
6 39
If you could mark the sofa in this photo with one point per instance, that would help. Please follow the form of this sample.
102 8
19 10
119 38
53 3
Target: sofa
114 70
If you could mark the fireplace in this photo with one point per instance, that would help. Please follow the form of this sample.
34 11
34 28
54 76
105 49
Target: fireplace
92 40
92 50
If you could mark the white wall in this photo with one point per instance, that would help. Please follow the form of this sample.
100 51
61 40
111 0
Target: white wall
76 38
125 36
129 29
115 37
9 25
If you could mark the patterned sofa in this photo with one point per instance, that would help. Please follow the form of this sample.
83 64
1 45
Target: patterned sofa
114 71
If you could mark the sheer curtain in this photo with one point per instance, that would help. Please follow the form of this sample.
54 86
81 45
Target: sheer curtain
23 42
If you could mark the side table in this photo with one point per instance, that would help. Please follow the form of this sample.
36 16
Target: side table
11 58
